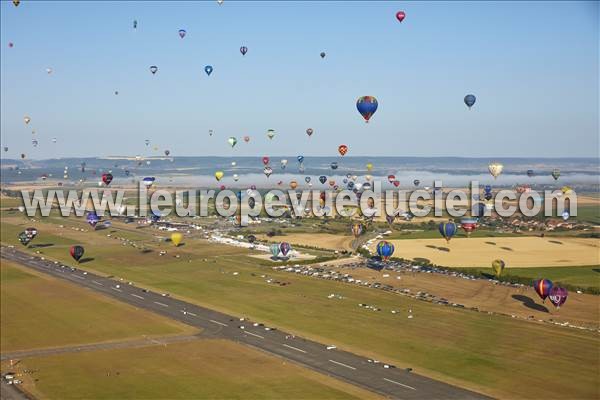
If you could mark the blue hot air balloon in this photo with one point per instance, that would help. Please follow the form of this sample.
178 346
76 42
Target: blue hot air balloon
448 229
208 69
92 219
334 165
366 106
322 179
470 100
300 159
385 250
487 189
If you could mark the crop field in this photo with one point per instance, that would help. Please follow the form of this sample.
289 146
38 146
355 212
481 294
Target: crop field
215 369
493 355
39 311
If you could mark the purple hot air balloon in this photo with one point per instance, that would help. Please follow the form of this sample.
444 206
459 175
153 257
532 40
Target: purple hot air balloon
558 296
284 248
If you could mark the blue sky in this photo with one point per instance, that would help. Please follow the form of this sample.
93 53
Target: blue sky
533 67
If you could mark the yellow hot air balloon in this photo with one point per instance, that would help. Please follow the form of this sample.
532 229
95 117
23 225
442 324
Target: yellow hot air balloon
495 169
369 167
498 267
219 175
176 238
566 189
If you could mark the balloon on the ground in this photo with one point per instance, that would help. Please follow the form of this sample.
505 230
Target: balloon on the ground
366 106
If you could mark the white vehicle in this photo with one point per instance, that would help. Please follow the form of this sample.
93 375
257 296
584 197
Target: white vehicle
85 273
331 347
118 286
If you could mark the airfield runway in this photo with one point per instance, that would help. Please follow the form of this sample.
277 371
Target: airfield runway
392 382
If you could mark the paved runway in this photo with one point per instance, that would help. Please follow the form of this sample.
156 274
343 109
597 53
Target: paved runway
392 382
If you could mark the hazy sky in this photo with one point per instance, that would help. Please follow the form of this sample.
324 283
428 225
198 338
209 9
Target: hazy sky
533 67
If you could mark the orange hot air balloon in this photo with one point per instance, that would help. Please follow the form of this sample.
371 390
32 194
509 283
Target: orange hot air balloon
343 149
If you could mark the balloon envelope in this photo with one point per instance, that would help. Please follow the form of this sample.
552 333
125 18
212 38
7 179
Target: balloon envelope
385 250
76 252
176 238
366 106
542 287
470 100
498 267
558 296
447 230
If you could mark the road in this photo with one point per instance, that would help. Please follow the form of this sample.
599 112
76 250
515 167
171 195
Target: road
349 367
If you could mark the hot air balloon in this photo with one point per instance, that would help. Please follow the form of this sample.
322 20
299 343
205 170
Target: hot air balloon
390 219
210 132
357 229
251 239
148 181
153 69
92 219
107 178
24 239
309 132
271 133
243 50
16 2
470 100
416 182
54 140
176 238
284 248
322 179
293 184
34 142
400 15
307 179
300 159
76 252
366 106
391 178
267 171
274 248
342 149
135 24
208 69
265 160
323 54
447 229
5 149
468 224
26 119
11 44
48 71
236 177
556 173
530 173
385 250
167 152
542 288
182 33
232 141
246 139
284 163
219 175
369 166
495 169
565 215
498 267
31 233
558 296
334 165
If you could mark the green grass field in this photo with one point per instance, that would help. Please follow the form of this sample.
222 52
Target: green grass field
39 311
487 353
202 369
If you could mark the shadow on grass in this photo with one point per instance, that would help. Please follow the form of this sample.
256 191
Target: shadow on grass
529 303
596 270
41 245
86 260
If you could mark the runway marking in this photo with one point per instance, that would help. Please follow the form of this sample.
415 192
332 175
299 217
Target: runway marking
161 304
343 365
77 276
295 348
114 288
254 334
98 283
135 295
217 322
191 313
398 383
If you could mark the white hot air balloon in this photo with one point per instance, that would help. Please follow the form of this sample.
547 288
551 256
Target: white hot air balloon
495 169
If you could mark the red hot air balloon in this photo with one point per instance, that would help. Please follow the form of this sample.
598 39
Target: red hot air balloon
391 178
76 252
542 288
107 179
266 160
343 149
400 15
